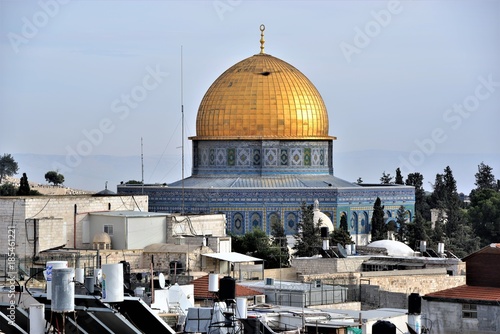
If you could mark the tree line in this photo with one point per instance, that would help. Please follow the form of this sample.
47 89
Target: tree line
464 227
9 167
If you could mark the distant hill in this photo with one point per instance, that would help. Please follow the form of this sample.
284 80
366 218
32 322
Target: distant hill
94 171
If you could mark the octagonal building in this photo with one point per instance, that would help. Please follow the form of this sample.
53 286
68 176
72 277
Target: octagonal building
262 149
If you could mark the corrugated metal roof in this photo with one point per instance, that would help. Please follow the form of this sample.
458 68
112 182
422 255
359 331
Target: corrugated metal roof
466 293
127 213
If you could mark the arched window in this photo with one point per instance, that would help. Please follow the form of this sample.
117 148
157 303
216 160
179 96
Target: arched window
238 223
291 223
255 221
272 218
354 220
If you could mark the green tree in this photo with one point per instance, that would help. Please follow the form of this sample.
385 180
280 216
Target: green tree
24 186
438 233
341 235
386 178
54 177
437 199
401 220
257 244
308 238
8 166
458 233
418 230
378 227
421 205
279 241
484 215
343 222
399 177
8 189
133 182
485 178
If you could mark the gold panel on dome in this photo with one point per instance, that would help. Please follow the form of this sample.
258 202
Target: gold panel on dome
262 97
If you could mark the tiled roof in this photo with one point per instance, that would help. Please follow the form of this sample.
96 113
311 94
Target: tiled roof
201 289
467 293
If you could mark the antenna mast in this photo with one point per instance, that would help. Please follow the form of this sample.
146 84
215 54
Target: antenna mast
182 112
142 168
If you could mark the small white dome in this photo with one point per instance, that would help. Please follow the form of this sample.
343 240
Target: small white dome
324 220
394 248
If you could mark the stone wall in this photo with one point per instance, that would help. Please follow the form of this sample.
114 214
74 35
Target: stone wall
391 289
88 258
313 266
55 219
284 274
388 288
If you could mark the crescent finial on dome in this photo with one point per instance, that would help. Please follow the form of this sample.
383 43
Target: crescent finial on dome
262 41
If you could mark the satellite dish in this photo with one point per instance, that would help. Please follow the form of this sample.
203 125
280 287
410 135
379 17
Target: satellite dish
342 250
161 280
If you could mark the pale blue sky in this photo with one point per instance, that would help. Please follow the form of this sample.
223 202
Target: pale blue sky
66 66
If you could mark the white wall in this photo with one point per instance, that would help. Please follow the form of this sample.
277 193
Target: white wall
97 223
144 231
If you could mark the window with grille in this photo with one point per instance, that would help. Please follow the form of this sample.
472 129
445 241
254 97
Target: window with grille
108 229
469 311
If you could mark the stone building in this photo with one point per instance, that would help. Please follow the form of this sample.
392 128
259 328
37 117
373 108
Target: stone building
261 149
473 307
45 222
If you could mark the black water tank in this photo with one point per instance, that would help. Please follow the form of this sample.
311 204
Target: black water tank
126 267
414 303
383 327
324 232
227 288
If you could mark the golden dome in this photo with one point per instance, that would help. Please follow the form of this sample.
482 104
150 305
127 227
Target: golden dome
262 97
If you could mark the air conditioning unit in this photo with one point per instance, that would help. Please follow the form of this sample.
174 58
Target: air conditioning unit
269 281
259 299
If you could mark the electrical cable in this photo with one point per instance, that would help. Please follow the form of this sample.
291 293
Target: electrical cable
31 277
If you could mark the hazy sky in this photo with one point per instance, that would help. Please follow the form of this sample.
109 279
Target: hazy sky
86 78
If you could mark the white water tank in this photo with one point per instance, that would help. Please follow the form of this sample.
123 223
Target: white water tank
213 282
112 283
241 308
49 267
37 319
79 275
441 248
98 276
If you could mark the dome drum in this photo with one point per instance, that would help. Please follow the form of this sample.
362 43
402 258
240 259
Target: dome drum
259 157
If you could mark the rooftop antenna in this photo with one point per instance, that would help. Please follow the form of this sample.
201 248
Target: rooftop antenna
142 168
182 112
